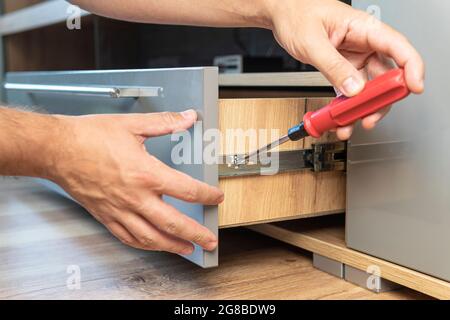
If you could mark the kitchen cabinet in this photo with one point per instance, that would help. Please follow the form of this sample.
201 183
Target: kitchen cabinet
259 101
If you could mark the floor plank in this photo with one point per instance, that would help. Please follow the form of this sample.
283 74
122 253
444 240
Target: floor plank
42 234
326 237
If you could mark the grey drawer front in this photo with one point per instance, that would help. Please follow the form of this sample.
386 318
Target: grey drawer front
181 89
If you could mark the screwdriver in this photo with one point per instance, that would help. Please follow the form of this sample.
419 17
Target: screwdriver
342 111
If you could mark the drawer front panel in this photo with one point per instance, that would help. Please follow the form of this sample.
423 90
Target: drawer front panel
179 89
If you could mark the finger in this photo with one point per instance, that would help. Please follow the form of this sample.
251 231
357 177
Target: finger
169 220
122 234
384 39
150 238
344 133
370 122
357 59
338 70
158 124
376 65
181 186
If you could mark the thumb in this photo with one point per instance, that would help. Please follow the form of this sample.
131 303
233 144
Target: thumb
162 123
338 70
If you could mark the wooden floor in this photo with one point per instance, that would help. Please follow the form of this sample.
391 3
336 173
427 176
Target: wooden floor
326 236
41 235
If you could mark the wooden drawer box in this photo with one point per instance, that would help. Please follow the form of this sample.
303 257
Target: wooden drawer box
248 199
257 199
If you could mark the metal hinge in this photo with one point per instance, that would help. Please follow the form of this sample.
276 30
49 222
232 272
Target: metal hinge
321 157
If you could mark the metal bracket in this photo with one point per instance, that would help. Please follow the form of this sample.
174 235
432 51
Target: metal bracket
358 277
329 157
328 265
321 157
368 281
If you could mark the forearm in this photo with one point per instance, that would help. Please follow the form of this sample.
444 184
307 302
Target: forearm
27 143
214 13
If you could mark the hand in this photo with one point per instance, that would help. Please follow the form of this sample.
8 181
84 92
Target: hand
101 161
348 46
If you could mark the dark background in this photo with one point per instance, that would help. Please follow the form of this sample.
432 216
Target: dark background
109 44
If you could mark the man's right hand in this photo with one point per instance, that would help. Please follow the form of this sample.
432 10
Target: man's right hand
347 45
101 161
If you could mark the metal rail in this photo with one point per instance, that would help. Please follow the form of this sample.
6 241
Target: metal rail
320 158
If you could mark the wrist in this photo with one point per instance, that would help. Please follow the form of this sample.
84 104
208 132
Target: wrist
44 142
263 17
273 11
26 141
60 138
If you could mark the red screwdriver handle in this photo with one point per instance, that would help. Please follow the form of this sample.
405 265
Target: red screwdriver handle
342 111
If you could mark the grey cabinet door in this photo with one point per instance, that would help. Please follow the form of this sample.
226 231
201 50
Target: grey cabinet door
398 181
93 92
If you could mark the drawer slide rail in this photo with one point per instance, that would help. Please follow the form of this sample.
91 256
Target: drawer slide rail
320 158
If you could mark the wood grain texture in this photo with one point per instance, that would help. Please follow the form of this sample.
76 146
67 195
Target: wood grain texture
255 115
257 199
326 236
43 233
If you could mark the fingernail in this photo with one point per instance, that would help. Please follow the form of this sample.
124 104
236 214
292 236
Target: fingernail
422 84
352 86
211 245
375 117
189 114
187 251
345 133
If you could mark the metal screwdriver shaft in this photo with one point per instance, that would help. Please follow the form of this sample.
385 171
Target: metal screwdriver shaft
295 133
270 146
